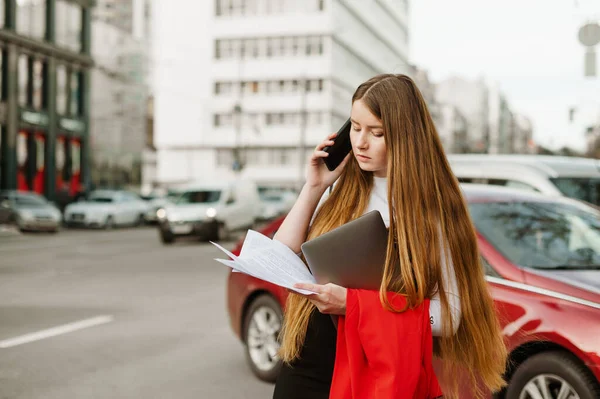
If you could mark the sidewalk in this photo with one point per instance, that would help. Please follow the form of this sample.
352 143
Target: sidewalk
8 230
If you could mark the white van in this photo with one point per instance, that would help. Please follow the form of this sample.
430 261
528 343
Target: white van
210 210
553 175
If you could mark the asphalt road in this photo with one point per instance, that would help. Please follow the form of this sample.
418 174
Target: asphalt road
120 316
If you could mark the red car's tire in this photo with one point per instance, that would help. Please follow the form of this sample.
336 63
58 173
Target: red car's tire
261 328
552 371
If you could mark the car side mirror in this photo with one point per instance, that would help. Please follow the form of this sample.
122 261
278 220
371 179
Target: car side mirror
230 201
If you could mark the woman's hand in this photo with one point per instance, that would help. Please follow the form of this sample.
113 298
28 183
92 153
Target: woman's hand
317 174
328 298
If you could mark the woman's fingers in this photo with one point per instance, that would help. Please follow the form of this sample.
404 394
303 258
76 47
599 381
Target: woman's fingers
324 144
316 288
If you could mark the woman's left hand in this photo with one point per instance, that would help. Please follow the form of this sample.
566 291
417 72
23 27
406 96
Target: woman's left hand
328 298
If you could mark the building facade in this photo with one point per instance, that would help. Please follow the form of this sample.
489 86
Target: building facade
470 98
264 81
45 85
121 91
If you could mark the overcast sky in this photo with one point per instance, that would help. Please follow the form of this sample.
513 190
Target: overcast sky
529 47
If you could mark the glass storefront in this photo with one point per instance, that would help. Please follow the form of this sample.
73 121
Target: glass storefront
61 89
31 18
75 89
45 151
31 81
69 17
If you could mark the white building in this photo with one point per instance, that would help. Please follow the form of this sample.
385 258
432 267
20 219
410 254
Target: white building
120 91
499 121
452 127
471 100
242 74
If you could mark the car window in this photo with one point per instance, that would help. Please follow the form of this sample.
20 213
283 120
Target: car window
587 189
102 198
29 200
543 235
199 197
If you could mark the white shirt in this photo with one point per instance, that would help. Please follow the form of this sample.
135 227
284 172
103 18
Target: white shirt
378 202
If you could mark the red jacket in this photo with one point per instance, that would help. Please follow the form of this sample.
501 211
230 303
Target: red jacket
382 354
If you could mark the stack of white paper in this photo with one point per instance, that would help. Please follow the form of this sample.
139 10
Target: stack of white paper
268 260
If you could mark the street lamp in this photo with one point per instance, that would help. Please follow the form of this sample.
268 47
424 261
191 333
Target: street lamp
237 165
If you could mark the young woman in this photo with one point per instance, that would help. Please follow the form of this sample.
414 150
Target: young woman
397 166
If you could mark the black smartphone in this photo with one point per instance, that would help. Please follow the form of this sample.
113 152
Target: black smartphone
340 148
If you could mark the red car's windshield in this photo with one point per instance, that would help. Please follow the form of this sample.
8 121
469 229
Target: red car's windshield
545 235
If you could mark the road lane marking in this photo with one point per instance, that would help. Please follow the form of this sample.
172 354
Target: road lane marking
54 331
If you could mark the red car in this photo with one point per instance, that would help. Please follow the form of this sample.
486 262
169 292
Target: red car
542 260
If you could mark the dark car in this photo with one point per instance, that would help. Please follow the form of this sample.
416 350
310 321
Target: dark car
29 211
542 261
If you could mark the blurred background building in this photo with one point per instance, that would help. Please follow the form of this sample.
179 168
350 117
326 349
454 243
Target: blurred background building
45 65
251 86
121 90
138 94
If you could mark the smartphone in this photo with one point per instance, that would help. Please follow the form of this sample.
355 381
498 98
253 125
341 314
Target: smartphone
340 148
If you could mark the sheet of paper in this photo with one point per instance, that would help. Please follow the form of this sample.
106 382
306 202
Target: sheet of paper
254 241
268 260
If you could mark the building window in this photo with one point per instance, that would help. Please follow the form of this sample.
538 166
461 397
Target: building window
315 45
31 18
321 4
233 7
38 85
61 89
69 22
75 93
269 47
222 120
218 45
2 13
2 88
224 157
23 78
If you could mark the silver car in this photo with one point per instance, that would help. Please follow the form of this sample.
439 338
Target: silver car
29 211
107 209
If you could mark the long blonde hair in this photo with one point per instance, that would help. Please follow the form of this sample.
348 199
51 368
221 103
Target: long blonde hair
427 198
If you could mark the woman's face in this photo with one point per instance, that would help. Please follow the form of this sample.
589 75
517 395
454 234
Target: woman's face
368 143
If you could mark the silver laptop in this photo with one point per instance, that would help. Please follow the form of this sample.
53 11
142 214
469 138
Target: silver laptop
352 255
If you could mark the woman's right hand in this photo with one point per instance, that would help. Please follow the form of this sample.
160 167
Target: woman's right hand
317 174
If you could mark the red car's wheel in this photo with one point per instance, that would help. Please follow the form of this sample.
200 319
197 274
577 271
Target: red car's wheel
552 375
261 329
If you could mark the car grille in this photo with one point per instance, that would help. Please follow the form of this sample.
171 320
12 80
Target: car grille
43 218
78 217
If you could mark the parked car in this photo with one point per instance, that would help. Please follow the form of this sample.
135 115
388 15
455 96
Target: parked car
107 209
553 175
29 211
542 261
210 211
156 202
275 203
